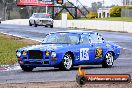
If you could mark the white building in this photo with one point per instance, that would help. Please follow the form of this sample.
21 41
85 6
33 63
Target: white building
103 12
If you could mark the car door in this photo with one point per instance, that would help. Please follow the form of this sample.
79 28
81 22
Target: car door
99 47
33 18
86 50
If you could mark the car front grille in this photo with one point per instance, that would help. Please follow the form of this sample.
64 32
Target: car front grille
32 63
44 21
35 54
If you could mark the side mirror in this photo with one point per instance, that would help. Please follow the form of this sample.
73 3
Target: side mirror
103 40
43 40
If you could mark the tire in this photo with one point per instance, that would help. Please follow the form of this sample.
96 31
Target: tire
109 60
35 25
46 26
30 23
81 80
51 26
66 63
27 69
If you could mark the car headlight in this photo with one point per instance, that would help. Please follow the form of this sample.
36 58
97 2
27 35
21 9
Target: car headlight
50 20
18 54
53 54
47 53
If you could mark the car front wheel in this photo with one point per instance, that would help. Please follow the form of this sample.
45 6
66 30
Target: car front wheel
46 26
66 62
30 23
27 69
35 24
108 61
51 26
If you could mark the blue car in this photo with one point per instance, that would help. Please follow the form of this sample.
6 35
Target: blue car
64 50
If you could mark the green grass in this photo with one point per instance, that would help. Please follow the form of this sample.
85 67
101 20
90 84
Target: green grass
127 19
8 47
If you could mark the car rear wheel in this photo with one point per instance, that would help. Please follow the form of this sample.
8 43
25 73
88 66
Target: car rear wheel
51 26
30 23
27 69
66 62
46 26
108 61
35 25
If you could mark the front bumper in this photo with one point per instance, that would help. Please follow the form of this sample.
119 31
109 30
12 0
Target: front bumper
40 63
44 22
39 58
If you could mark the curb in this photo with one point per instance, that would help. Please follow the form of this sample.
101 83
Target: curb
9 67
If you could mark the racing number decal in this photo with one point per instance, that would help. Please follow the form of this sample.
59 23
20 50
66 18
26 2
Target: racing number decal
98 53
84 54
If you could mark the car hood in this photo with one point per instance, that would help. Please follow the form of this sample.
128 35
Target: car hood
44 18
44 47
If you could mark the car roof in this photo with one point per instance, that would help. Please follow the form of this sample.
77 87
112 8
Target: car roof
75 31
42 13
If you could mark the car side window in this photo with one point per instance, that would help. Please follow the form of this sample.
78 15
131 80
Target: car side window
35 15
85 39
100 39
96 38
74 38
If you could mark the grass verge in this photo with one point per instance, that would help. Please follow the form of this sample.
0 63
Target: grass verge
8 47
127 19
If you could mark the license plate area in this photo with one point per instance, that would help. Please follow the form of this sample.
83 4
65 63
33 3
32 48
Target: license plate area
46 62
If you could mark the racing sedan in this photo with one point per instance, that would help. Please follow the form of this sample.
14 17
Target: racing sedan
41 19
64 50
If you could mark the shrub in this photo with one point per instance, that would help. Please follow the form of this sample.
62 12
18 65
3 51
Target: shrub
92 15
115 11
58 16
69 17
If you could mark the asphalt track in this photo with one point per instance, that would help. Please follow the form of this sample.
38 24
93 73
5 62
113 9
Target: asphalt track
121 66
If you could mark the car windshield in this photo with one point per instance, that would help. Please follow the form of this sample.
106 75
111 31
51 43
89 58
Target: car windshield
61 38
41 16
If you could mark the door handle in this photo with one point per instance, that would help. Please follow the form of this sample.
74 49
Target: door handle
91 45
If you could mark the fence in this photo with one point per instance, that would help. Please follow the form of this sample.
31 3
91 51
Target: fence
126 12
119 26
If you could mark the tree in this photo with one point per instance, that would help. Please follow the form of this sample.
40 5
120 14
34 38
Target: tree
116 10
7 5
96 6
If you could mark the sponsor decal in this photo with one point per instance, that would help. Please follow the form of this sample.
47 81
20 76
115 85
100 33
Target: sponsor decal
98 53
83 78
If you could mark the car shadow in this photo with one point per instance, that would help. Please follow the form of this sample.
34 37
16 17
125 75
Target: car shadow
58 70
